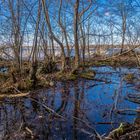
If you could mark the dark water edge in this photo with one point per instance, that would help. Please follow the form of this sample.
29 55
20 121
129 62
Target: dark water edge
3 69
85 106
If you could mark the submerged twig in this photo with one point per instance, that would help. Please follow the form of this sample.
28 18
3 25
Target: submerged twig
48 109
96 133
114 107
133 110
29 131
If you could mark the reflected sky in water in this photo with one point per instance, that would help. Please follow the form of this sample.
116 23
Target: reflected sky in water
85 105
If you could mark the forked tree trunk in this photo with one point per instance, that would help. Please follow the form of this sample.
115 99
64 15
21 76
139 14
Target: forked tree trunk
47 18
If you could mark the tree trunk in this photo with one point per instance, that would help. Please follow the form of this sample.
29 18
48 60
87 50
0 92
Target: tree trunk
76 41
52 34
34 61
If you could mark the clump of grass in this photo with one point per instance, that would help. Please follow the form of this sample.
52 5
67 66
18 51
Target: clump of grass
129 77
116 133
89 74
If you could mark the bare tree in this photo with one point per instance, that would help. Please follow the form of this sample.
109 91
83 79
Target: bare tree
47 17
76 41
35 44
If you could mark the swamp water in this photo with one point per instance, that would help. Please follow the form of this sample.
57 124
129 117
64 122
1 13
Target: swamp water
83 107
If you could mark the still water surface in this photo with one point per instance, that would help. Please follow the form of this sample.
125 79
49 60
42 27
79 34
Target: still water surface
85 105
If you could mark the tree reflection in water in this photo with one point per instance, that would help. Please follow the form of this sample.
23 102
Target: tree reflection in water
82 103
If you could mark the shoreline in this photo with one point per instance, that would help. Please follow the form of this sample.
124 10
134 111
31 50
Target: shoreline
47 79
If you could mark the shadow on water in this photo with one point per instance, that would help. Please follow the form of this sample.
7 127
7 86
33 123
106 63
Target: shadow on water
84 105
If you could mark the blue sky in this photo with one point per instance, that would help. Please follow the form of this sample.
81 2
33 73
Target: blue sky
106 15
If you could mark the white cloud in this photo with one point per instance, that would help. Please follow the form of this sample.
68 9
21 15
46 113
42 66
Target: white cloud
107 14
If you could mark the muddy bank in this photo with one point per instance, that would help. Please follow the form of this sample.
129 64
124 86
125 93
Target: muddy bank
12 81
48 73
127 60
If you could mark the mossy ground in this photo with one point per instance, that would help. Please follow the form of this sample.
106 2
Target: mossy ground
48 73
21 81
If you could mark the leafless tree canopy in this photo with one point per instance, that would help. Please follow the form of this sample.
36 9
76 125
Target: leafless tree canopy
66 29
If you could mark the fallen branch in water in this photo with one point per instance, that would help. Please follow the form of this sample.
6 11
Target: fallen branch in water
89 126
30 132
55 113
109 123
134 100
48 108
133 110
14 95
